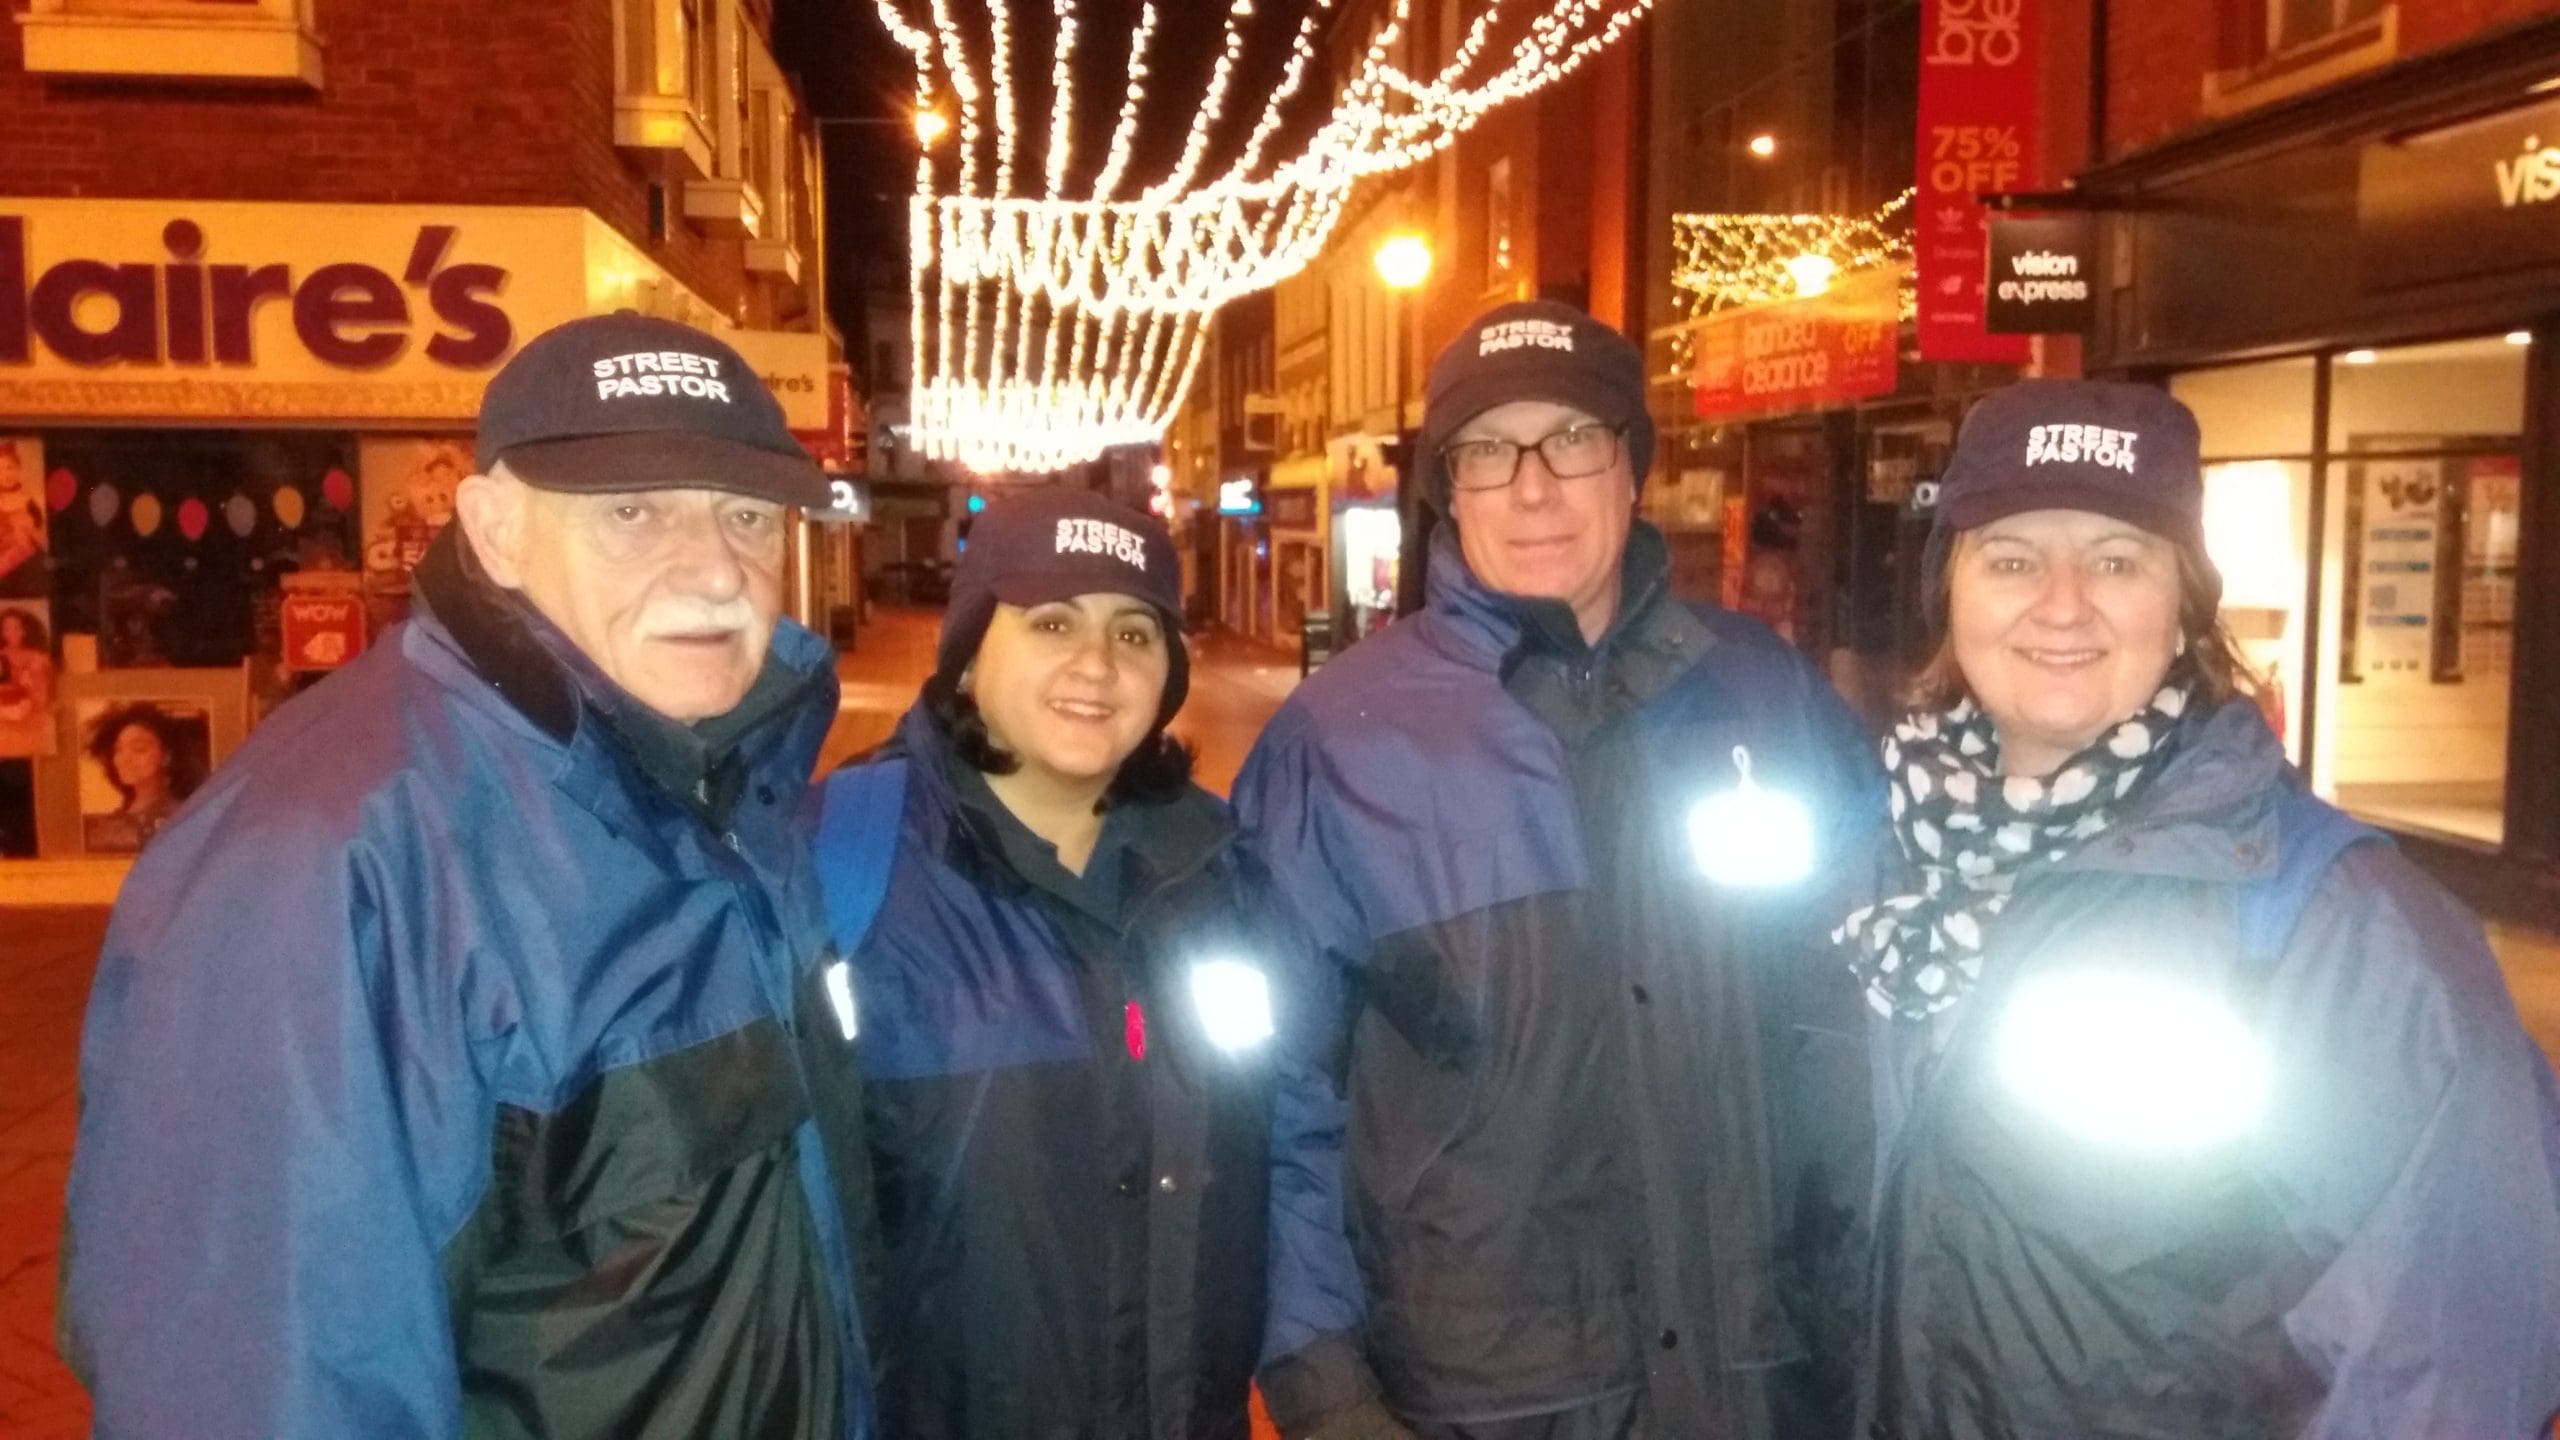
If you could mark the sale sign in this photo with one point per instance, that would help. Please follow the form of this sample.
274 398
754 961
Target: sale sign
1977 137
1795 354
322 631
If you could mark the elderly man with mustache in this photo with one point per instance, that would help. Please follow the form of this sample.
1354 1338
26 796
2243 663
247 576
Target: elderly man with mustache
443 1075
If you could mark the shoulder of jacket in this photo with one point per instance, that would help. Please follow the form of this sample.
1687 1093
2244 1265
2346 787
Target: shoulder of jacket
2386 936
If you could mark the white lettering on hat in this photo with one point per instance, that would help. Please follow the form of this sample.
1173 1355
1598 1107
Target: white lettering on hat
1101 537
2082 444
1515 334
660 372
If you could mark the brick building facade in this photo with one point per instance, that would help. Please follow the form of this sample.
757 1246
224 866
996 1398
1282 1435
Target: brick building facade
258 258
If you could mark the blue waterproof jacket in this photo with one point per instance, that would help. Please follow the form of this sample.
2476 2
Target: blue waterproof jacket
2377 1258
1597 1122
441 1074
1071 1172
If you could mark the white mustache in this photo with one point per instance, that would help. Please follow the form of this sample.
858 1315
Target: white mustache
695 619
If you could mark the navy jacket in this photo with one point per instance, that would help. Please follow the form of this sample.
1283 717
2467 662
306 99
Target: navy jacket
441 1076
1598 1121
1072 1179
2378 1258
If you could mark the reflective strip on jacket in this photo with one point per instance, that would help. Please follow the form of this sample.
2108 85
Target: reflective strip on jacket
1072 1179
1602 1120
2378 1258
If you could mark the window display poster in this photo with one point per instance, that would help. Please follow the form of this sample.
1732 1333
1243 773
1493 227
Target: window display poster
26 679
2396 573
139 761
2490 523
23 544
409 482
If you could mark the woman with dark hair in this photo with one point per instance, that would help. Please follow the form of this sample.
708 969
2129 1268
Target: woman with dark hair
1066 1021
26 683
2205 1113
154 760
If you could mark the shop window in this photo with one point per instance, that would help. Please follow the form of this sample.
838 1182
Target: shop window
2251 411
2293 24
2276 49
250 41
174 547
2417 651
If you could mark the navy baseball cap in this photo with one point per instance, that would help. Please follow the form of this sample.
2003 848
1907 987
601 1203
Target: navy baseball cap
2110 447
625 401
1533 350
1056 542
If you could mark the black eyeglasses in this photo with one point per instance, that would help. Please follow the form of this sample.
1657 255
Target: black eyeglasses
1569 454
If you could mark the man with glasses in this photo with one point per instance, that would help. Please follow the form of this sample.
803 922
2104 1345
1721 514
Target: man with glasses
1594 1150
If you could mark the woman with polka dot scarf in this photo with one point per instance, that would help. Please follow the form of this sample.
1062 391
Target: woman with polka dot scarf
2203 1112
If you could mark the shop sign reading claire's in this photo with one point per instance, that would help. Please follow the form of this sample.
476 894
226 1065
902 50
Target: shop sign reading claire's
114 309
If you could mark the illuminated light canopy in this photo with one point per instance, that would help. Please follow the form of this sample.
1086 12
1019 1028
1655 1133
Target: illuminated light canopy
1725 261
2132 1062
1050 326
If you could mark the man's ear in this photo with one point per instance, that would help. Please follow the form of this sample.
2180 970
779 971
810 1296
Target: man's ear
491 511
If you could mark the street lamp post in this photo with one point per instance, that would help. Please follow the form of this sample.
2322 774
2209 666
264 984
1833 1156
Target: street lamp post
927 121
1404 263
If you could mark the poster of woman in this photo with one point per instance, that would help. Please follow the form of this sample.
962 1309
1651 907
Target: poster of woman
26 679
22 527
140 760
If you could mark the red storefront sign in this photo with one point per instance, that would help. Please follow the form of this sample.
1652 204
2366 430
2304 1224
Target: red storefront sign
1977 135
1800 354
322 632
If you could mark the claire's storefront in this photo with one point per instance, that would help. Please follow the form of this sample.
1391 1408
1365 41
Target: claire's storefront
2358 293
227 432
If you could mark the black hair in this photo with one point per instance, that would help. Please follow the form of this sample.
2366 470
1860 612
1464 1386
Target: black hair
36 637
179 740
1157 771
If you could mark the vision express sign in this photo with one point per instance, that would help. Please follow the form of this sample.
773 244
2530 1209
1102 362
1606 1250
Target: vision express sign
2041 280
2469 199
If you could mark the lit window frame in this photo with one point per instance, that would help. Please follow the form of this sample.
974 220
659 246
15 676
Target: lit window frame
246 42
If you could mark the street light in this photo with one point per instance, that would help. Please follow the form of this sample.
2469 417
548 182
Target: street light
1404 263
1812 273
928 122
1763 145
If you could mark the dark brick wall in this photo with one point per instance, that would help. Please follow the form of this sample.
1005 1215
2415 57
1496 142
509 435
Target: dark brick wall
2159 52
471 102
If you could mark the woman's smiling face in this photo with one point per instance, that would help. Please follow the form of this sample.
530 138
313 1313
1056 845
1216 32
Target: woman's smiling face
2065 623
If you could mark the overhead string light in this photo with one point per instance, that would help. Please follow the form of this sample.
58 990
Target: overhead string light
1725 261
1050 326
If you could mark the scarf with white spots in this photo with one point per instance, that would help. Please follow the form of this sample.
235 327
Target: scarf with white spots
1969 830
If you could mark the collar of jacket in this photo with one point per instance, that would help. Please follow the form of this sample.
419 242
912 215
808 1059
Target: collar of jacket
1536 645
965 823
545 678
2210 815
